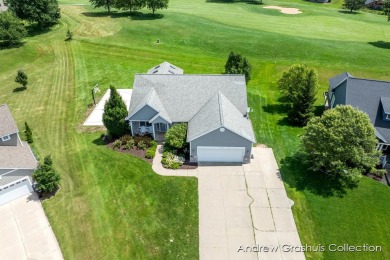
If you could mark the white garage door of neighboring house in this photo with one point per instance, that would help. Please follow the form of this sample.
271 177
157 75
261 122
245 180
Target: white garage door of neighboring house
15 190
220 154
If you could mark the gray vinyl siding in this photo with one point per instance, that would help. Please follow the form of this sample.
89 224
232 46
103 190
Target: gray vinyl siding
14 176
144 114
340 94
221 139
11 142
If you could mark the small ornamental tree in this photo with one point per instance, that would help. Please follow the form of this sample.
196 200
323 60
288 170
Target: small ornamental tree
353 5
236 64
21 78
114 115
342 142
156 4
176 136
46 177
12 30
28 132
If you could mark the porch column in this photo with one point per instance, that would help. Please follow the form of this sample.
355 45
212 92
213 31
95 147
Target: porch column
131 127
154 134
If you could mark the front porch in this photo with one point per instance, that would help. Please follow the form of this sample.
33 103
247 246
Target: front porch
157 130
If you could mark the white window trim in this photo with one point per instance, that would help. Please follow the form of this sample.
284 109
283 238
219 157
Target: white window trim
6 138
388 116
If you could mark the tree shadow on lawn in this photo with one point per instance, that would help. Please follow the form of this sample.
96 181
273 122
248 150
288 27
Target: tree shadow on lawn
296 174
235 1
380 44
4 46
348 12
34 30
134 15
99 141
19 89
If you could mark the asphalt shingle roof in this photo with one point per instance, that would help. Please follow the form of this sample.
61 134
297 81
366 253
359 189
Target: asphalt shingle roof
7 122
219 112
183 96
165 68
17 157
366 95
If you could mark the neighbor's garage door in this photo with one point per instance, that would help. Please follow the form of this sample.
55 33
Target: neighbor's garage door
220 154
14 191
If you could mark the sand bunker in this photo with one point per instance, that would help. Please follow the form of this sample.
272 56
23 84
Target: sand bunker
284 10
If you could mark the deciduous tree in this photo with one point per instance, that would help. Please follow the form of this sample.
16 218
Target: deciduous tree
341 142
114 115
43 12
103 3
12 30
156 4
353 5
299 84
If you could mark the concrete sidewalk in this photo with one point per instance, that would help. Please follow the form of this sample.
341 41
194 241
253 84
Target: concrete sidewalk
242 206
96 117
25 231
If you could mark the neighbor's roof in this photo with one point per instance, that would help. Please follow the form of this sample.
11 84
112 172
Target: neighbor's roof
165 68
17 157
386 104
7 122
366 94
182 96
219 112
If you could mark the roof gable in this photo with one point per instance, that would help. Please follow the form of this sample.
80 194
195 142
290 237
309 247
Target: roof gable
337 80
219 112
7 122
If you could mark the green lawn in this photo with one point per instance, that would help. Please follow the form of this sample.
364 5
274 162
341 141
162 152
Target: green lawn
112 206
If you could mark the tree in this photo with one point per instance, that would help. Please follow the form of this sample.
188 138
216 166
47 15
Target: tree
236 64
69 35
28 132
176 136
386 9
43 12
12 30
114 115
130 5
341 142
353 5
46 177
21 78
299 85
103 3
156 4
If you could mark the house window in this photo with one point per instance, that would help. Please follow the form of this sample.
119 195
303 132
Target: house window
143 123
388 116
332 100
5 138
161 127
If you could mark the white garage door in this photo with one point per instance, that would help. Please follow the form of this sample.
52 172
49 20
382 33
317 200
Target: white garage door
220 154
15 190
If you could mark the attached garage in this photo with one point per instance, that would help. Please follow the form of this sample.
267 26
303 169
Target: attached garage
220 154
15 190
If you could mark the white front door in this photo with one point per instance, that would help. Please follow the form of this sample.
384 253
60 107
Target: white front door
220 154
15 190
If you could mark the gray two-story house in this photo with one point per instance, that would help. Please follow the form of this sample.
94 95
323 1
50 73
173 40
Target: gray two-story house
370 96
17 162
214 106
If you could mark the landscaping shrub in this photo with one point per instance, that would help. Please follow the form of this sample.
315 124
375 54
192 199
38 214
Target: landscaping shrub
130 144
176 136
125 138
117 144
28 132
142 145
151 152
171 161
145 138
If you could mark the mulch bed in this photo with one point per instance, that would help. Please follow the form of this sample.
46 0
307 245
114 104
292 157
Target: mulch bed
188 166
135 152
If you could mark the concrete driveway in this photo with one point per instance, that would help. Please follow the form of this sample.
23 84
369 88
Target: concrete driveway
26 232
241 207
96 117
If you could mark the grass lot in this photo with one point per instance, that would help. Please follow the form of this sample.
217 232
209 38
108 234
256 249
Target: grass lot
112 206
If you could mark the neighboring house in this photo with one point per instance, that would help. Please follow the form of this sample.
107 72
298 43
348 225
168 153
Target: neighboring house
214 106
17 162
3 5
375 4
370 96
